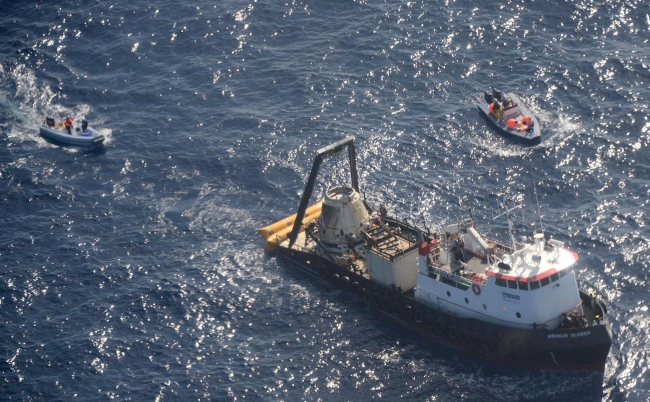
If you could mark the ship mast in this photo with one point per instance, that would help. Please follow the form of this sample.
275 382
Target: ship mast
539 212
511 231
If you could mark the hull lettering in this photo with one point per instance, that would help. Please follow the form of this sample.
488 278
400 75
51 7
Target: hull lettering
572 335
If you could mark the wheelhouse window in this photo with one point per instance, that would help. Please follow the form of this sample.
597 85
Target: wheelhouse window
534 285
512 284
523 285
545 281
500 282
555 277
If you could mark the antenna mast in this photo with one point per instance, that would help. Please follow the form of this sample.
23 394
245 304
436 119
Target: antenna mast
468 203
539 213
505 203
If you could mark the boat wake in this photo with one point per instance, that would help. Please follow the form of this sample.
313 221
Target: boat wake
26 102
559 127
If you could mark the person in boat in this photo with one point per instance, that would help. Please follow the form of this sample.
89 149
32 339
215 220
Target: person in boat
49 121
531 126
521 126
67 123
496 109
84 127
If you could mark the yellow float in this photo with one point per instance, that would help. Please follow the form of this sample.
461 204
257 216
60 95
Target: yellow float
279 231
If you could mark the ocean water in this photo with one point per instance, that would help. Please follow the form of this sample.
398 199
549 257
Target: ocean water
135 273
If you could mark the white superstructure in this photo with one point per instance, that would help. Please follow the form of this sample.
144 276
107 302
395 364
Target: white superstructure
522 285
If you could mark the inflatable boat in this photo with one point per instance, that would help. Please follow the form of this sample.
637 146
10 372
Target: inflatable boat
509 116
70 134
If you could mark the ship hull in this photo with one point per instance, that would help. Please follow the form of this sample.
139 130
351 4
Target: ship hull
345 248
583 349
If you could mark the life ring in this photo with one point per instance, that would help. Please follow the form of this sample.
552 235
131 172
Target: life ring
476 289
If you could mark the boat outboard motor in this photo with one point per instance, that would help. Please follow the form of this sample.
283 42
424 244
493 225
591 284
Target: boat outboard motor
489 98
49 121
496 94
84 126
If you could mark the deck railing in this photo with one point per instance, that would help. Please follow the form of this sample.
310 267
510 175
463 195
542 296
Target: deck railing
466 282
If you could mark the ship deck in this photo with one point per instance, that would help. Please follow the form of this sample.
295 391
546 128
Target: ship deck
472 264
383 240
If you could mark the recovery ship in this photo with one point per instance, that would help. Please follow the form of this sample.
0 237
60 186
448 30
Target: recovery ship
515 304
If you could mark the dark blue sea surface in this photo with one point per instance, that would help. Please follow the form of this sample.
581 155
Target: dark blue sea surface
135 272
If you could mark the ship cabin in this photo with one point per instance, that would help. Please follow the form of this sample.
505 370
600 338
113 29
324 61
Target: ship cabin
528 286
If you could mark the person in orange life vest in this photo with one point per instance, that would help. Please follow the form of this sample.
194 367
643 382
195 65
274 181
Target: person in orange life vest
525 120
521 126
68 124
511 123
